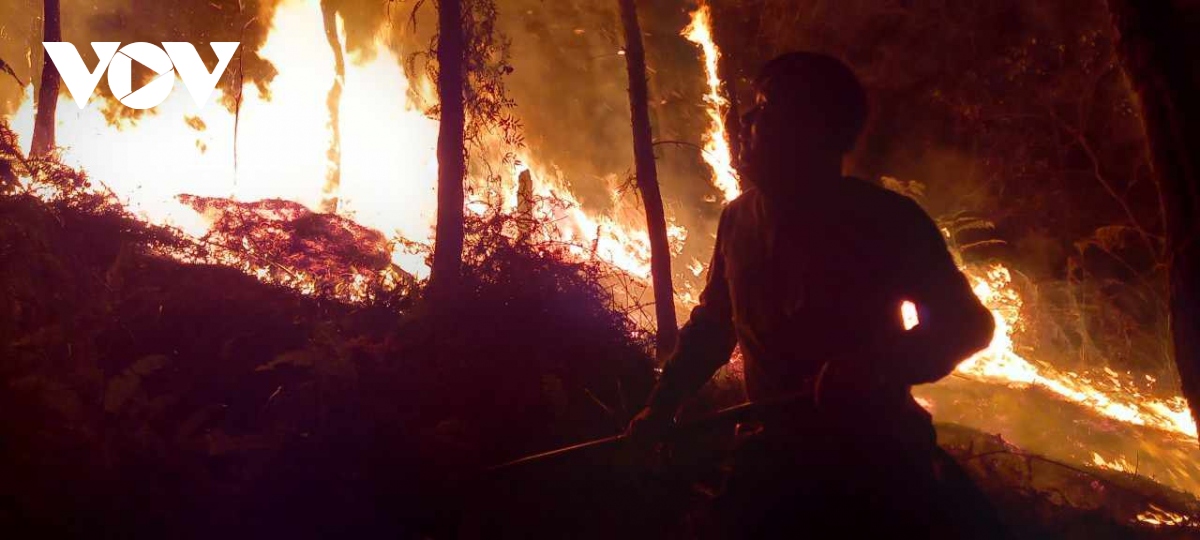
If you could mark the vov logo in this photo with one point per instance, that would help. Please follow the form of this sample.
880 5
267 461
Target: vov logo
179 56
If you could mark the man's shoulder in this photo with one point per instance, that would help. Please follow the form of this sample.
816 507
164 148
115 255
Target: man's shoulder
852 200
748 196
875 193
875 200
748 203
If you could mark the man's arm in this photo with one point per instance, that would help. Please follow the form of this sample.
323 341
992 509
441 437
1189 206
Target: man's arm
954 324
705 342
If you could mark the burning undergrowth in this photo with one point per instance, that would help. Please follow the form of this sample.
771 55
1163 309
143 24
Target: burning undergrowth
322 254
164 399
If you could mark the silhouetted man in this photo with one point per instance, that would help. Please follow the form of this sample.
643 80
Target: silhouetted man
808 276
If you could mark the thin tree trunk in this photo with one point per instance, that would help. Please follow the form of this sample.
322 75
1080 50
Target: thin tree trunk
333 175
525 220
647 180
47 102
447 252
1157 53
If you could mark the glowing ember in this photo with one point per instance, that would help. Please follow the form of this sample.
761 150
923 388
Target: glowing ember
1164 518
1117 464
616 238
717 152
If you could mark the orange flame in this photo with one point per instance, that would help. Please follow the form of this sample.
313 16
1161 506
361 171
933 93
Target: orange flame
1117 464
1158 517
388 156
388 182
717 150
1111 395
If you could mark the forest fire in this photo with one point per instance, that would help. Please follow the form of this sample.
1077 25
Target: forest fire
381 112
1110 395
213 171
375 178
201 156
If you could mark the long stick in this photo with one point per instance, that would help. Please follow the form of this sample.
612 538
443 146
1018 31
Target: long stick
558 452
730 415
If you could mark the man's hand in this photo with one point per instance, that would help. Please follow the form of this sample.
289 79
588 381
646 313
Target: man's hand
651 425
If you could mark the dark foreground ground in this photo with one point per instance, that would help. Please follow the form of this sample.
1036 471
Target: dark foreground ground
147 398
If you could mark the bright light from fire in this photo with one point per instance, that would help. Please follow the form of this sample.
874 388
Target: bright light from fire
1158 517
717 151
908 315
388 152
1117 464
388 142
388 183
1110 395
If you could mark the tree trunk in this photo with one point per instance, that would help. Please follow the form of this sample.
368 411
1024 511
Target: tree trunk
647 181
47 101
1156 49
333 175
525 219
447 251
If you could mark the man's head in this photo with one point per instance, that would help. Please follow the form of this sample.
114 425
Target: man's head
809 110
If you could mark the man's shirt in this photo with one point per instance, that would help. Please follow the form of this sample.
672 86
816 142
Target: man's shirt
818 283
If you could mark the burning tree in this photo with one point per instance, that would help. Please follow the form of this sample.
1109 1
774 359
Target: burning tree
447 255
647 180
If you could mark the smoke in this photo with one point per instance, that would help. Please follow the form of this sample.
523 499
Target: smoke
570 86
